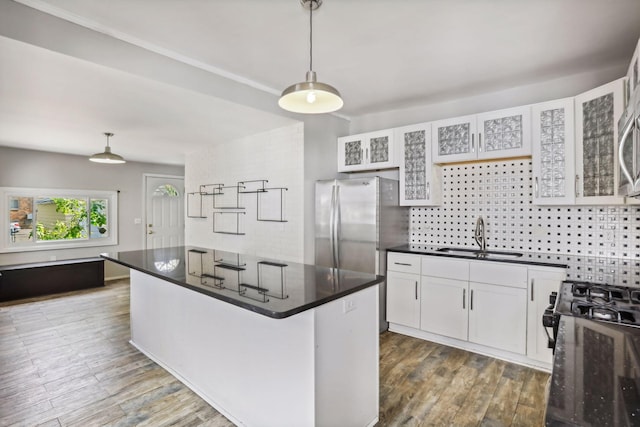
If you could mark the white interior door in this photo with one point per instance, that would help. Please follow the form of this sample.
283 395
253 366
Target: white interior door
164 209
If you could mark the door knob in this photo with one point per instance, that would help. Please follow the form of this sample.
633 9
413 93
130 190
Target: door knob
150 232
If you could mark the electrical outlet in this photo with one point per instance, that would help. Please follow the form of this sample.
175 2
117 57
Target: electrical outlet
348 305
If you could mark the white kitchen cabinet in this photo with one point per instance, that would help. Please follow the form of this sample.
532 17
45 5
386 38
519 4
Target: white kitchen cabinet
454 140
482 302
497 316
403 299
542 281
403 289
492 308
553 152
490 135
366 151
597 168
419 177
444 307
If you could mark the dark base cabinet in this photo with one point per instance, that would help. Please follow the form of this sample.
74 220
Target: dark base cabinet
44 278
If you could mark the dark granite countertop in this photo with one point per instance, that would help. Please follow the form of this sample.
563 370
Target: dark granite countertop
528 258
273 288
587 267
596 375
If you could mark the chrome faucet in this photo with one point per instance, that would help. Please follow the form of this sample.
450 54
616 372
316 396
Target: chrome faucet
479 234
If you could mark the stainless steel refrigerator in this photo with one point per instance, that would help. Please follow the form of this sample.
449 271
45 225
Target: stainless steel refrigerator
356 221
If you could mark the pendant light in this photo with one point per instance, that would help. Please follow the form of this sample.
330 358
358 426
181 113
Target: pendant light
310 96
107 156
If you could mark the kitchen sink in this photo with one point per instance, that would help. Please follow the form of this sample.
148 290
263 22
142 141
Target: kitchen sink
477 253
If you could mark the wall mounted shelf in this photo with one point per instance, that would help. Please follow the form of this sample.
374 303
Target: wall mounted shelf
254 186
196 198
227 223
270 205
231 199
228 207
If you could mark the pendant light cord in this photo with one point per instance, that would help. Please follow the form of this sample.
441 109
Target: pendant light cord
311 35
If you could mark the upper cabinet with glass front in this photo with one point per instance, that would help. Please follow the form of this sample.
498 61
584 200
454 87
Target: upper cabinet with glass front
553 152
491 135
419 177
366 151
597 112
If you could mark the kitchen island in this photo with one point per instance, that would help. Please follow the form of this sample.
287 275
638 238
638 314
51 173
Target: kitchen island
265 342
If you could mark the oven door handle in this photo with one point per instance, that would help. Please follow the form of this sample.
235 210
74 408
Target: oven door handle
551 343
548 320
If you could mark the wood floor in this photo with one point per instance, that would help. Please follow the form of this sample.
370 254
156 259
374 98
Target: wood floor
66 361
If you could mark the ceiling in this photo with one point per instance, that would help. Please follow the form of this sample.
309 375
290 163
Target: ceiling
381 54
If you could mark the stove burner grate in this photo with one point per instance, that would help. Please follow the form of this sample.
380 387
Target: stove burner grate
596 291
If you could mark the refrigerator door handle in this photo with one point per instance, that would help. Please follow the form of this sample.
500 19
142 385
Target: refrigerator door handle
336 228
332 225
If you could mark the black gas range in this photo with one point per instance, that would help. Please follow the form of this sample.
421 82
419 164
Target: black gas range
596 369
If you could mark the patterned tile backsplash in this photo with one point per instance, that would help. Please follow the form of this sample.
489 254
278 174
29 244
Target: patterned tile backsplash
502 192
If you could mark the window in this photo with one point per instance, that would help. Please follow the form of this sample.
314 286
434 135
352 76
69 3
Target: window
54 219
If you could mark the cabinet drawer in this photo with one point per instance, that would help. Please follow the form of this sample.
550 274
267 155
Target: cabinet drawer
448 268
496 273
403 263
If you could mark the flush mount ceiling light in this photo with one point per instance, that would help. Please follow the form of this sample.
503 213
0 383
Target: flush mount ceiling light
310 96
107 156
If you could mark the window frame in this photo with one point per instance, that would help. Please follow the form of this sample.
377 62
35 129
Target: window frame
6 193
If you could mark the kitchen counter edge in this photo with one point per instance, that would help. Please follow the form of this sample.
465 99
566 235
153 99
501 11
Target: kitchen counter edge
528 258
247 305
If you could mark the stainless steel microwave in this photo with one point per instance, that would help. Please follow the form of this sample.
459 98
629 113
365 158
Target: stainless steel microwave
629 147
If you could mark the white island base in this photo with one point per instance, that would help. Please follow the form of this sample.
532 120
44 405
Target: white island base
315 368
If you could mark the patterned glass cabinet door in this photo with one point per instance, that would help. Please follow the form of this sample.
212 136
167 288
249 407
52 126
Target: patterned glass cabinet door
504 133
492 135
366 151
454 140
597 172
553 153
351 153
419 177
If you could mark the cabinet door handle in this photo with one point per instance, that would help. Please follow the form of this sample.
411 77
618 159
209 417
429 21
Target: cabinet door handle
473 147
471 301
464 297
402 263
537 188
479 142
428 191
532 283
577 185
416 289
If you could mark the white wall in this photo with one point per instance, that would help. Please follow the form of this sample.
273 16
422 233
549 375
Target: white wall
522 95
320 162
277 156
39 169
